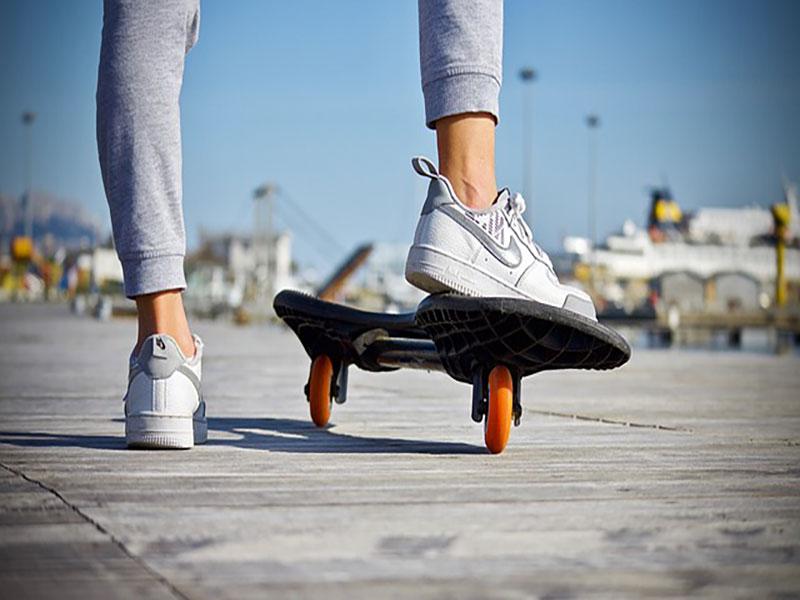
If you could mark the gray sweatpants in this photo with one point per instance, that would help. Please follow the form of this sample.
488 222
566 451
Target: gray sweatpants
138 114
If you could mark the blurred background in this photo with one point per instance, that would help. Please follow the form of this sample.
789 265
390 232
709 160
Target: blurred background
657 143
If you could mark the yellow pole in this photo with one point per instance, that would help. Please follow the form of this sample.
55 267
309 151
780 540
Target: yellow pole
781 216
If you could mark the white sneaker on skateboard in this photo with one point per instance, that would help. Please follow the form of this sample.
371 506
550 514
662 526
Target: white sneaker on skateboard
164 406
489 252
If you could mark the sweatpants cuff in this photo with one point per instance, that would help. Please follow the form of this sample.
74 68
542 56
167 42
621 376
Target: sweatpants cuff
153 274
461 93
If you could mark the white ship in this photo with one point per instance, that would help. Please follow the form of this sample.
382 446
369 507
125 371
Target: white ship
713 259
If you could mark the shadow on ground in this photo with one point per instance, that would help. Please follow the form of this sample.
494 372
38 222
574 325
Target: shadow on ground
274 435
293 435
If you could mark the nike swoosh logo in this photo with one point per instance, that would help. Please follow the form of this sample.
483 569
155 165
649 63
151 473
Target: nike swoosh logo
510 257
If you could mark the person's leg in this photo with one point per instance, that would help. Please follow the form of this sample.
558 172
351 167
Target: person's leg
138 138
461 47
470 239
139 143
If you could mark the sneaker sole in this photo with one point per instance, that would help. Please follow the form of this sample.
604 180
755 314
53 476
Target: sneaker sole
164 432
435 272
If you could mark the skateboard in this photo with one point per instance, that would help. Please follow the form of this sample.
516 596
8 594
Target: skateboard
488 343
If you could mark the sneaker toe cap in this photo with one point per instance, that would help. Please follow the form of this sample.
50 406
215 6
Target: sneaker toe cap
579 302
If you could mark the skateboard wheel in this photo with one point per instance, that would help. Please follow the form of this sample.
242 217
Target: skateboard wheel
319 390
497 425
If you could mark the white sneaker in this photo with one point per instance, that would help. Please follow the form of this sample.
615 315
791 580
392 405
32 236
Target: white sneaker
483 253
164 406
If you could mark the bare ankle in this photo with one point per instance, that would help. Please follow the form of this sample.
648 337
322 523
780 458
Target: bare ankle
163 312
475 192
466 157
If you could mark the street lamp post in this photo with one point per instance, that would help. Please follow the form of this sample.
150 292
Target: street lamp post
263 236
528 76
592 122
28 118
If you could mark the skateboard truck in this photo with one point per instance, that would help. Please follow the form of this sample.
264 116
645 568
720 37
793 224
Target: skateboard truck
517 405
338 389
480 394
340 385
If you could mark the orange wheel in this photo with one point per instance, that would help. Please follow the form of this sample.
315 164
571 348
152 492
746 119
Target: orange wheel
319 390
497 425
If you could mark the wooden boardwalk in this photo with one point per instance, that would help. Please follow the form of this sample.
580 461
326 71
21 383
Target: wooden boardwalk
677 475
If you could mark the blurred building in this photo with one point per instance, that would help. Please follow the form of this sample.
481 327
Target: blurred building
105 267
229 269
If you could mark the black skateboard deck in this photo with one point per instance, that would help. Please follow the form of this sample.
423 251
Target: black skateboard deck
474 340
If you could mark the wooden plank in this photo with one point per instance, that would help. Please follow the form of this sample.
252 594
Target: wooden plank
698 495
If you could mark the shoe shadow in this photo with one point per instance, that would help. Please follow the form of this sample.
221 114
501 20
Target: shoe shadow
291 436
41 439
300 436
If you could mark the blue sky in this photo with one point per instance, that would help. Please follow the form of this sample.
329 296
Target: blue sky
324 99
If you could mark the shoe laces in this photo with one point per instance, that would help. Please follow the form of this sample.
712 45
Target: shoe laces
516 204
